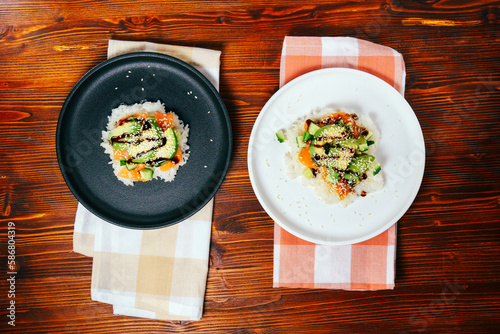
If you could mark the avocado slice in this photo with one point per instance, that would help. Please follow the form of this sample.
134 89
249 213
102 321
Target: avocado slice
127 127
330 132
120 146
332 176
361 163
168 150
142 158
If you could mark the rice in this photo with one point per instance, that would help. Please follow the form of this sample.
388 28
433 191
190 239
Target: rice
322 189
124 111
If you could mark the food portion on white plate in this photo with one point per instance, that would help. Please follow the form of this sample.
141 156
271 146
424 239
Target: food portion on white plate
362 152
333 152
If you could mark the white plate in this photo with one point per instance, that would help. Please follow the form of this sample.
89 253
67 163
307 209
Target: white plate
401 152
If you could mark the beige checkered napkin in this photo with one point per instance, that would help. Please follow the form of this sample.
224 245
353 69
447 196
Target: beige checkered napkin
161 273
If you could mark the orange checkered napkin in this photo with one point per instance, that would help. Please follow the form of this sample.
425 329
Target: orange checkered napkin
369 265
160 273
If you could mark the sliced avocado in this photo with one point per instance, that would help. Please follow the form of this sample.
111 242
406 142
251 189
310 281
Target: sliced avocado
154 132
146 174
127 127
350 142
332 176
330 131
142 158
361 163
316 150
342 156
120 146
336 157
168 150
351 179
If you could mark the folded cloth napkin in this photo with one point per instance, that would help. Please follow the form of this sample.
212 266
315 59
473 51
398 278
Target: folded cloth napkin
160 273
369 265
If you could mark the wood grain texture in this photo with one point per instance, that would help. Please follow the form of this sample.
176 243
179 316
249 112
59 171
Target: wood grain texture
448 246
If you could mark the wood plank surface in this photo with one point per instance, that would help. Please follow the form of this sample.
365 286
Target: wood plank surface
448 244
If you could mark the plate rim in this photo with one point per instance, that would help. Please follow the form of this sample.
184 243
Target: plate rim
186 68
265 108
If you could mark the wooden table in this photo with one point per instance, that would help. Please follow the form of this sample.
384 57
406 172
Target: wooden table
448 268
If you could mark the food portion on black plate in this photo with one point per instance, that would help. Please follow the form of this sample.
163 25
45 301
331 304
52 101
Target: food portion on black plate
144 142
200 129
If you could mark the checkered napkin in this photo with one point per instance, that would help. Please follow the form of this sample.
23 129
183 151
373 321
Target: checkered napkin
160 273
368 265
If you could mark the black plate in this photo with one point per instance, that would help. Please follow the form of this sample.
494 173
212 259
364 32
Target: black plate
130 79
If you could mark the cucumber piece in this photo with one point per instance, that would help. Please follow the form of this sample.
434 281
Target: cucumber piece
370 142
122 162
313 128
299 141
306 136
362 144
281 136
375 167
308 173
130 166
146 174
178 136
168 150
